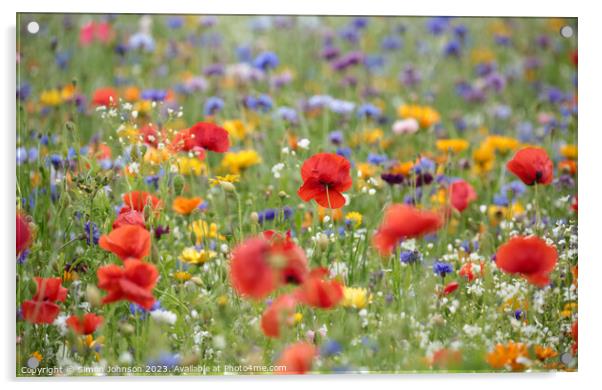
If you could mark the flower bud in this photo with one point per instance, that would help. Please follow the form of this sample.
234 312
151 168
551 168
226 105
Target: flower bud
93 295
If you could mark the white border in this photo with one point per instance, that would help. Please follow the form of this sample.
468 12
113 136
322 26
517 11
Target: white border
590 172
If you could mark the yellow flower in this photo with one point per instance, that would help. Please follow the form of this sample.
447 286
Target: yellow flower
498 213
37 355
455 145
568 309
222 300
130 133
203 230
236 128
235 162
218 180
143 107
297 318
354 217
193 256
482 55
501 143
355 297
425 115
569 151
483 157
182 276
366 170
191 166
51 97
156 156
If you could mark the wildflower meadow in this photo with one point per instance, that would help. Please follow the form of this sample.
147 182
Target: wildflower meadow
261 195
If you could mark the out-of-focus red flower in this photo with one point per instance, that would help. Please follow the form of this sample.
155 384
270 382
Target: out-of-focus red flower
575 204
295 269
106 96
127 241
280 312
319 292
23 233
149 135
91 31
251 273
530 257
574 57
42 309
325 178
461 194
137 200
574 331
129 217
86 324
297 358
445 358
532 165
133 282
467 271
201 136
450 288
403 221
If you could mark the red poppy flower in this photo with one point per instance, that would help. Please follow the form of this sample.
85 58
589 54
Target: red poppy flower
86 324
297 358
403 221
467 271
461 194
318 292
40 312
279 313
23 233
574 334
149 135
137 200
129 217
325 178
530 257
450 288
105 97
133 282
42 309
127 241
206 136
295 269
532 165
250 271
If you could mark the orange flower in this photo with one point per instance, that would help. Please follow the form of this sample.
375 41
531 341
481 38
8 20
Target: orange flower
127 241
508 355
544 353
297 358
185 206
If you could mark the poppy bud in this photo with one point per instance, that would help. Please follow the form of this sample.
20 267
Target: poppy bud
178 184
93 295
227 186
254 217
323 241
127 328
283 195
69 126
196 280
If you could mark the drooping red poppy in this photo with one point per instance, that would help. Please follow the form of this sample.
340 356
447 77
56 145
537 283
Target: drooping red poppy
129 217
127 241
23 233
251 273
133 282
403 221
105 97
532 165
297 358
42 309
207 136
294 269
325 178
137 200
319 292
531 257
86 324
461 193
279 313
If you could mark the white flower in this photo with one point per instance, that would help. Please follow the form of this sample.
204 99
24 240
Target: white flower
126 358
303 143
276 170
164 316
61 323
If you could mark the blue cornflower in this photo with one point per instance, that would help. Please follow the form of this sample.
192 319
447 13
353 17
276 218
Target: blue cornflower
266 60
344 152
288 114
165 359
453 48
213 105
136 309
391 42
336 137
264 103
243 53
408 257
92 233
377 159
142 41
330 348
424 165
368 110
441 268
